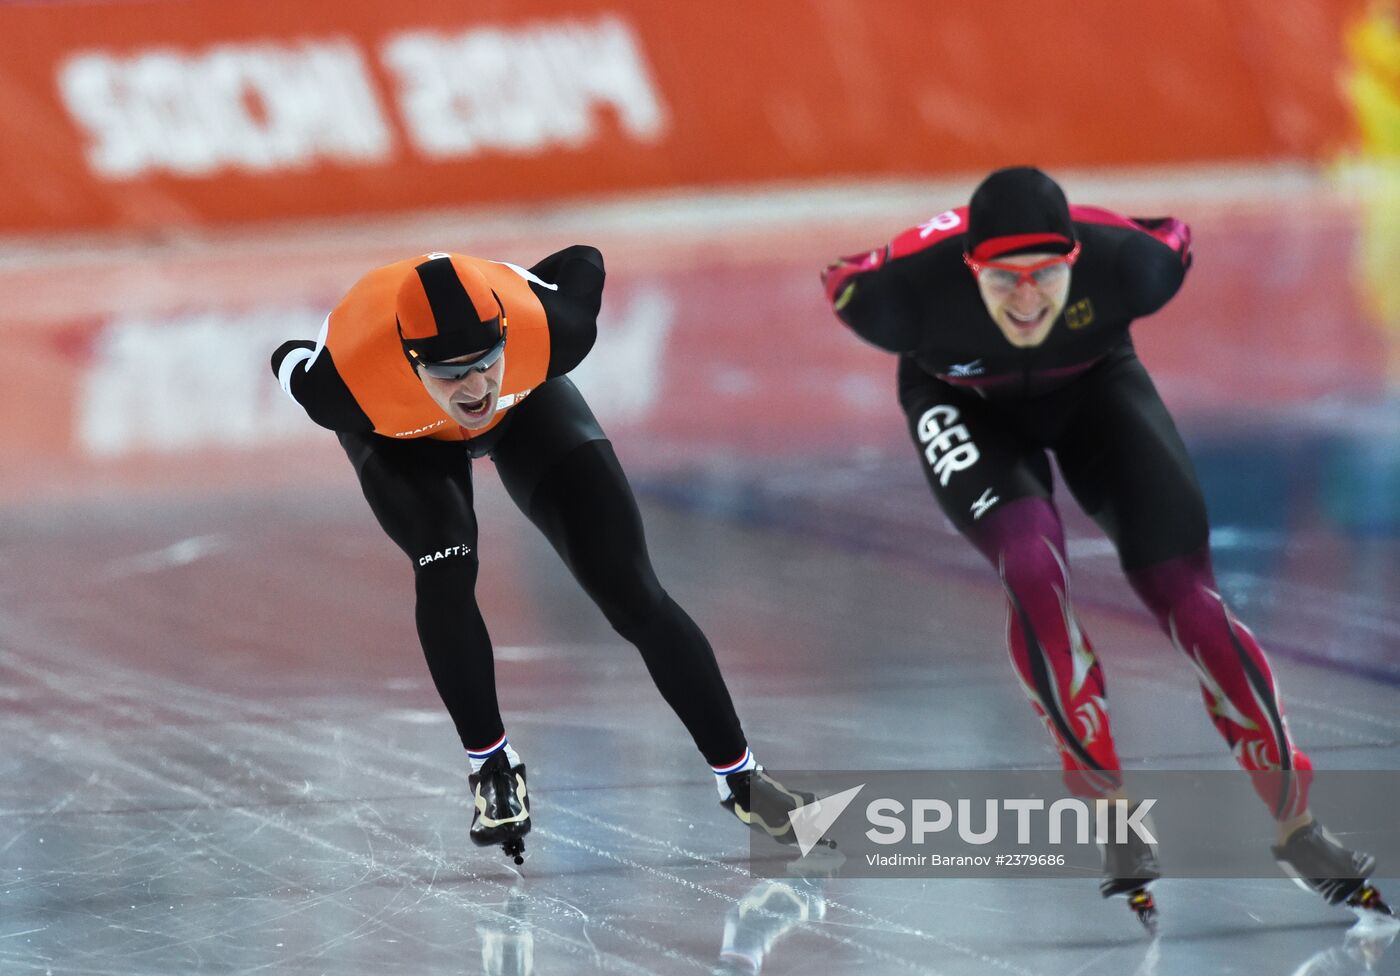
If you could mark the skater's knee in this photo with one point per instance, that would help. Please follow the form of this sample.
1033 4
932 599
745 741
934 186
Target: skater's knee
1024 529
1179 591
633 609
447 572
628 593
1032 564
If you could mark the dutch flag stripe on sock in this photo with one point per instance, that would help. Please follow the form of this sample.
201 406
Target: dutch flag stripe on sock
486 753
743 762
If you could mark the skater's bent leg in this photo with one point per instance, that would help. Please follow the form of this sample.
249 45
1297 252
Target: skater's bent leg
421 494
1130 470
999 499
586 509
1024 540
1236 680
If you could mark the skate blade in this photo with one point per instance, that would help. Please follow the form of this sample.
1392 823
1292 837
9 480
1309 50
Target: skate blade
1367 903
505 834
819 862
1145 908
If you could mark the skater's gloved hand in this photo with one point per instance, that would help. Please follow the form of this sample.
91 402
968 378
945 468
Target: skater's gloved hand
1176 234
839 277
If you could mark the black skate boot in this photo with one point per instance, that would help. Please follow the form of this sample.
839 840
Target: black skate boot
764 804
1317 861
1128 868
502 806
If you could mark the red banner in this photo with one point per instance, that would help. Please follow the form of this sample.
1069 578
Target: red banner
155 113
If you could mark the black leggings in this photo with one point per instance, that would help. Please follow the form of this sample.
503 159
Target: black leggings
1117 448
560 469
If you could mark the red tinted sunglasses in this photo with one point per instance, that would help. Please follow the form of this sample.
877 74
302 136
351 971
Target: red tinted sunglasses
1008 277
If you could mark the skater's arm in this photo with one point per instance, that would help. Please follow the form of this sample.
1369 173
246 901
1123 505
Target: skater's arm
875 299
1154 262
569 284
308 375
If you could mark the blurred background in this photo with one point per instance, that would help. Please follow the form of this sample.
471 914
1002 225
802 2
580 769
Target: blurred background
187 183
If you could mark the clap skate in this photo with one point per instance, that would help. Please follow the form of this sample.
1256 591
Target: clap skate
502 814
764 804
1317 861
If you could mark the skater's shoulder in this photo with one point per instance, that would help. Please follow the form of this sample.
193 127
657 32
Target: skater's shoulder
943 234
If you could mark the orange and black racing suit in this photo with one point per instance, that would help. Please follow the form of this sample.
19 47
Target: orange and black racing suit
415 467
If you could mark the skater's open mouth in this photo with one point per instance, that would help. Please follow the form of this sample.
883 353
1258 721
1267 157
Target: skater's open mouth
1024 321
475 408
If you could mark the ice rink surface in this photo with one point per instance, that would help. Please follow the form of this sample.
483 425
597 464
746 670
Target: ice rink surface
221 751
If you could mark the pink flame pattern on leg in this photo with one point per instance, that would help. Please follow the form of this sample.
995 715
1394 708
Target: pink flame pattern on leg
1237 683
1052 655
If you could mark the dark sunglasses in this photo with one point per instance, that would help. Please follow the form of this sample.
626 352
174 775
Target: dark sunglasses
455 371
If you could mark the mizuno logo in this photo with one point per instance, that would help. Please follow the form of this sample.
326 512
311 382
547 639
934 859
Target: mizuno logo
974 368
980 507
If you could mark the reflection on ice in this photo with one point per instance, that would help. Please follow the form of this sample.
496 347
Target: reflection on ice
751 929
1359 954
770 910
